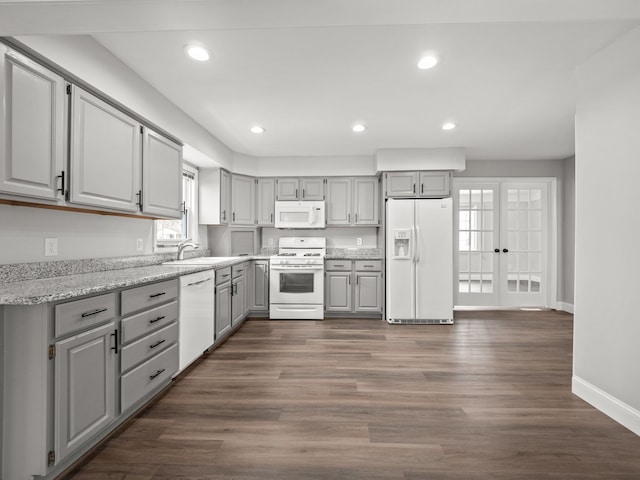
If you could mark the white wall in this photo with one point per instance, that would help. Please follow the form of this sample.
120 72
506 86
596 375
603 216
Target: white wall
568 233
337 237
607 328
304 166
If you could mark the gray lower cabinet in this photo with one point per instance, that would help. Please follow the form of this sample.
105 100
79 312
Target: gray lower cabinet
239 293
338 292
353 286
223 303
149 356
260 290
85 393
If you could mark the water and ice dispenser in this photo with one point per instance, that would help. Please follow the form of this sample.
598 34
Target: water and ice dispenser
401 243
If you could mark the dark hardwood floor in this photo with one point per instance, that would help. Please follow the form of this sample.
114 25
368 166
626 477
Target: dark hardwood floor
486 398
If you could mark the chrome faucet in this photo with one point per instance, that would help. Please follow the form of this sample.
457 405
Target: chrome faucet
184 244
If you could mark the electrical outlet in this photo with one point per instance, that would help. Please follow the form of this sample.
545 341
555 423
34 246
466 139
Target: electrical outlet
50 247
359 241
139 244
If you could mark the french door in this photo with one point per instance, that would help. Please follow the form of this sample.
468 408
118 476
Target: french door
502 242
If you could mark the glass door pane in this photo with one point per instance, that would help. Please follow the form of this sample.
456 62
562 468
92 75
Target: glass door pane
476 207
524 233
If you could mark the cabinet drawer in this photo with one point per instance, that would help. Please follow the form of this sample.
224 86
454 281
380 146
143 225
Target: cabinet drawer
79 315
338 265
223 275
148 346
148 377
369 265
240 269
149 321
148 296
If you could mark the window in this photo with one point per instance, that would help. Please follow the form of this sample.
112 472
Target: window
169 233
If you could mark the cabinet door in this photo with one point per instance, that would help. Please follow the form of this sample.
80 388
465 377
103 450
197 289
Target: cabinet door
32 131
312 188
287 188
260 296
213 196
85 373
338 208
265 201
105 155
338 292
242 200
161 176
368 292
435 184
401 184
223 310
237 300
366 203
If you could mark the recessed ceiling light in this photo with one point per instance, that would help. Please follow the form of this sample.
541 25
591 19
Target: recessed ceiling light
197 52
359 128
448 126
257 129
427 62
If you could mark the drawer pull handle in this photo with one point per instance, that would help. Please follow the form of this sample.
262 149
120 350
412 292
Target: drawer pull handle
157 294
225 276
368 266
336 265
95 312
151 377
159 342
156 320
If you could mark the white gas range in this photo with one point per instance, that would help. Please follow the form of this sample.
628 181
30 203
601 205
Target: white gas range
296 279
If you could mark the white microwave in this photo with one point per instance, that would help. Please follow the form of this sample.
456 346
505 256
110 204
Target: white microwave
299 214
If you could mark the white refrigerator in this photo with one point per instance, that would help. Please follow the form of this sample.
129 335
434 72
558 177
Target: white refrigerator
419 261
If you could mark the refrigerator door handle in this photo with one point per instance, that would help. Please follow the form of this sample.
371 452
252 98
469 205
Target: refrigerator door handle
417 243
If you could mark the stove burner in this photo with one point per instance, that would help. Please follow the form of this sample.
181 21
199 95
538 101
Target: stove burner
311 254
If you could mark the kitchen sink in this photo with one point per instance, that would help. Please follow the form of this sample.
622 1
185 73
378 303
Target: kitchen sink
200 261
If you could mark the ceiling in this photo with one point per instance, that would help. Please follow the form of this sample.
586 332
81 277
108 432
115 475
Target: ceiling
308 70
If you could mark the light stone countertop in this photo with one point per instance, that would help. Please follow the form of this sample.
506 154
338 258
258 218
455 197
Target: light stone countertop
52 289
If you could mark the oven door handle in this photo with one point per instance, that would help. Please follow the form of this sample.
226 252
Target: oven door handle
306 267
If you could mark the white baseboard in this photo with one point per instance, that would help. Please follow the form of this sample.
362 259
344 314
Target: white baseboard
622 413
565 307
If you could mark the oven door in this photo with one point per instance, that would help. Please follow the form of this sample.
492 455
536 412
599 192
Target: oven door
296 284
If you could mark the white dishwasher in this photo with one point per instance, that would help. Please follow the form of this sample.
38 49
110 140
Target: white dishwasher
197 315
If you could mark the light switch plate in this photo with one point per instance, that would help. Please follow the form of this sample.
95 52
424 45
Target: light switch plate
139 244
359 241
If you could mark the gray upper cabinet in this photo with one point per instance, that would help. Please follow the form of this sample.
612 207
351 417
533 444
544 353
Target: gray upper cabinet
304 188
418 184
265 201
287 188
401 184
338 207
105 155
214 187
161 176
435 184
366 201
353 201
32 128
242 200
312 188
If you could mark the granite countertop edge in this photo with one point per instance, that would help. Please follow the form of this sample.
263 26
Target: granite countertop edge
54 289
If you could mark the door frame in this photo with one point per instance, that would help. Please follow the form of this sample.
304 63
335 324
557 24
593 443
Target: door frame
554 215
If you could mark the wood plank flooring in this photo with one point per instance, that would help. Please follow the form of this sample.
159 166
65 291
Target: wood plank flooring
486 398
